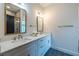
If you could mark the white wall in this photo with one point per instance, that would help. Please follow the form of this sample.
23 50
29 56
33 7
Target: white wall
4 37
65 38
35 7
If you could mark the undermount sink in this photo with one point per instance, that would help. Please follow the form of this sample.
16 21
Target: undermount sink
35 34
13 43
20 40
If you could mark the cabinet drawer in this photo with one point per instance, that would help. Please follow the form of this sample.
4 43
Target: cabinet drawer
31 43
31 48
40 41
41 50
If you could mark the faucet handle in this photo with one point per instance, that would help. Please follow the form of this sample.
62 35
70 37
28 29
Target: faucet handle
14 38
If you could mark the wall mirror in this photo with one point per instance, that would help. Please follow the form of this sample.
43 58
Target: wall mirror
15 19
40 24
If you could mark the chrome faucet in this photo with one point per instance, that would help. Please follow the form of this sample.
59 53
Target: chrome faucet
14 38
20 36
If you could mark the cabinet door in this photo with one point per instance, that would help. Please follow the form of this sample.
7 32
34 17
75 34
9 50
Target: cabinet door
41 41
43 44
41 50
48 41
31 49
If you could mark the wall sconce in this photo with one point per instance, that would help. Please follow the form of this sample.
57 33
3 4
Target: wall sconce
37 12
39 21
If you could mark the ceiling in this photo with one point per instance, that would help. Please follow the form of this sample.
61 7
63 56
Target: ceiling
12 7
45 4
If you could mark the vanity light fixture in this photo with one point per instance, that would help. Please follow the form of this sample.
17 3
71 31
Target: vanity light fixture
38 13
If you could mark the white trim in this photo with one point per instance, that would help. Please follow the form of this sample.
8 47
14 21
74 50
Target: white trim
66 51
20 6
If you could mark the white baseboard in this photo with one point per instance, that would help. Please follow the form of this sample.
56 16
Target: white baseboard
66 51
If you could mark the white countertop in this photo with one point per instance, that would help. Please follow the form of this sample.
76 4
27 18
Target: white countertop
11 44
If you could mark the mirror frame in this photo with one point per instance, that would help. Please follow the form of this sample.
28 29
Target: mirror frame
37 21
5 31
25 22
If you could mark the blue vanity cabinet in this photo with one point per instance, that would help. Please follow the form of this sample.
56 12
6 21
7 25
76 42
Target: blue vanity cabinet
37 47
31 48
33 51
19 51
40 46
43 44
48 41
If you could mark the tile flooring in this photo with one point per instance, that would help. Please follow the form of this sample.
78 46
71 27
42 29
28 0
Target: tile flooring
53 52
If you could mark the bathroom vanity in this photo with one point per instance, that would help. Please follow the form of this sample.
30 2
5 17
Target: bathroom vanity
28 46
15 21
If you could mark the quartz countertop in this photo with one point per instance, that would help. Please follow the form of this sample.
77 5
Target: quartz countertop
11 44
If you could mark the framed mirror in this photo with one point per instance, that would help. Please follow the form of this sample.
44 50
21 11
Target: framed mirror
15 19
40 24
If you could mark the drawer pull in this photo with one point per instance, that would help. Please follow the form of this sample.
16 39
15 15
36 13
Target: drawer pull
41 40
